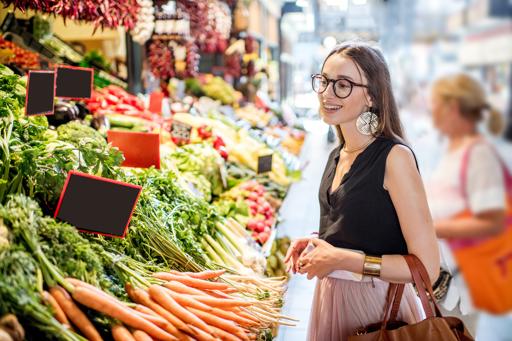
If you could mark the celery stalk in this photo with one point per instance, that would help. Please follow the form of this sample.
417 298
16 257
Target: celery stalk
231 237
211 252
223 254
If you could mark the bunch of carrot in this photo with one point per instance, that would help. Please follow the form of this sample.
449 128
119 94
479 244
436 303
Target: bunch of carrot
67 312
230 306
182 306
196 307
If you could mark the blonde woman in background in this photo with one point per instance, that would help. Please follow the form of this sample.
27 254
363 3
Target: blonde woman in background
459 104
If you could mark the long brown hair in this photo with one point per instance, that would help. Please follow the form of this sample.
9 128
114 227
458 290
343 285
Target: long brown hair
371 62
471 98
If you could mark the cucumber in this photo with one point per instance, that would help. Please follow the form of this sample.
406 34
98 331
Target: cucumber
119 123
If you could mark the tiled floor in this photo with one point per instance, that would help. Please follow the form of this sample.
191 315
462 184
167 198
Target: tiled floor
300 213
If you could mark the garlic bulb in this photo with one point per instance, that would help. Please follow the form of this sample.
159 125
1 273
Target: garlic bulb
145 22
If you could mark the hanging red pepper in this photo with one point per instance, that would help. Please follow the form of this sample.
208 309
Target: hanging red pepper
102 13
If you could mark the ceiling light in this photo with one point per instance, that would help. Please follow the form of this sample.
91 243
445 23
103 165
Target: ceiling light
302 3
329 42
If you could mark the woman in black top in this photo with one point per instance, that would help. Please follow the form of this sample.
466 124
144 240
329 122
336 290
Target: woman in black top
372 201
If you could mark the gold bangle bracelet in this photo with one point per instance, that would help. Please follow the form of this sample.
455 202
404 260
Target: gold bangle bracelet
372 266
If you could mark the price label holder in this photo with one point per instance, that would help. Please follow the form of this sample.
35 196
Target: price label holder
74 82
97 205
265 163
180 131
40 93
141 150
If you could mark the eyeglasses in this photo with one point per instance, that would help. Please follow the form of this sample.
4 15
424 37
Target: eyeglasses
342 87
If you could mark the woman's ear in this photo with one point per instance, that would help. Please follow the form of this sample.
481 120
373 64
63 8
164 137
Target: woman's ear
454 107
368 98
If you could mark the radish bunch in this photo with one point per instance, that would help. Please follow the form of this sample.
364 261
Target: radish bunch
262 213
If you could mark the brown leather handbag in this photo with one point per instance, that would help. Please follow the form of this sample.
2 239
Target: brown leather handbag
434 328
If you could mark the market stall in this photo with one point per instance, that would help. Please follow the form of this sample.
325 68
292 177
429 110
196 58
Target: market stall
209 166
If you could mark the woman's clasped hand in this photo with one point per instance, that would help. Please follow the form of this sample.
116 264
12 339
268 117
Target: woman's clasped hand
317 260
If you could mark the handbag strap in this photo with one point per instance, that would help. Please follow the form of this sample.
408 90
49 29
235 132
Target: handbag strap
394 290
426 280
507 174
464 170
422 281
425 286
394 297
420 287
395 308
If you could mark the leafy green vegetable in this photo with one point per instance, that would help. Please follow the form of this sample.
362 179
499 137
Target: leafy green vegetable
100 158
41 27
84 260
182 218
36 161
22 216
200 159
19 295
4 236
168 223
193 86
231 208
63 247
200 184
95 58
12 93
17 133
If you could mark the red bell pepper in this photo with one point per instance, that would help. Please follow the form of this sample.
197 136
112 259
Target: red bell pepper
204 132
111 99
218 142
223 152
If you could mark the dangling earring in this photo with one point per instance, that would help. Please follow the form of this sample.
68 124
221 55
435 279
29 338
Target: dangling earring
367 123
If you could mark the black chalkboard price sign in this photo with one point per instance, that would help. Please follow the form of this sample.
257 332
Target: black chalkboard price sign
74 82
265 163
40 93
97 205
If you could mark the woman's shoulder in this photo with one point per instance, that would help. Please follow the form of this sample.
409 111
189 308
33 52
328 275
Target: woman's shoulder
400 157
483 148
483 155
392 140
397 149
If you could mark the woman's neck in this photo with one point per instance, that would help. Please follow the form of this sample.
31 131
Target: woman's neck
353 138
460 139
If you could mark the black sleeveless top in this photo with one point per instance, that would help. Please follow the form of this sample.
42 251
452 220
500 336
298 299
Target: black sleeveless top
359 214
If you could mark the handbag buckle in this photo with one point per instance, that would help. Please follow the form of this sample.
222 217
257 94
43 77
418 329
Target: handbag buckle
361 331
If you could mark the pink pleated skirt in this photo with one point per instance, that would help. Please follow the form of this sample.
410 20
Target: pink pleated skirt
340 307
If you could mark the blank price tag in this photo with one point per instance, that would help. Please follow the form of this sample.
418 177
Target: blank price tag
140 150
180 131
265 163
40 93
74 82
97 205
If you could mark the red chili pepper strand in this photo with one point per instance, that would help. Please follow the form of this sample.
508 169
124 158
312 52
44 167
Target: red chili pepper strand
132 8
109 13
